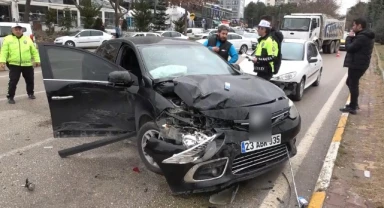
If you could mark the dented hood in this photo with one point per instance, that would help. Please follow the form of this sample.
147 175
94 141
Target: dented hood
214 92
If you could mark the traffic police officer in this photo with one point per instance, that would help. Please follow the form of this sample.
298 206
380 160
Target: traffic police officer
266 52
17 52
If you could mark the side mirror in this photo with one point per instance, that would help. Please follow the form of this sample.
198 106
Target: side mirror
312 60
236 66
77 36
121 78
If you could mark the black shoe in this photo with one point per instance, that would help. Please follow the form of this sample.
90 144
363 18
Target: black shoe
32 97
11 101
357 107
348 110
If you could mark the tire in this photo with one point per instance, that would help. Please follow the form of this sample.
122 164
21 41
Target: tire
147 129
317 82
243 49
70 43
325 49
299 91
332 48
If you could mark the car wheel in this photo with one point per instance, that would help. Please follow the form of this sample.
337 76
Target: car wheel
148 130
244 49
70 43
317 83
299 90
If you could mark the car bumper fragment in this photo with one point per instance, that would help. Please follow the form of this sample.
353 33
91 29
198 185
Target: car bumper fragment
288 87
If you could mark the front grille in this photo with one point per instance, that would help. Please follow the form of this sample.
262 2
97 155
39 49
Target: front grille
251 161
276 119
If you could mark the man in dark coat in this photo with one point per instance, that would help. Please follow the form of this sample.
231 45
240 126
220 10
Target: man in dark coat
359 45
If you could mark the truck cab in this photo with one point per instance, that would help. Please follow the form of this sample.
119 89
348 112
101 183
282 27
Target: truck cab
302 26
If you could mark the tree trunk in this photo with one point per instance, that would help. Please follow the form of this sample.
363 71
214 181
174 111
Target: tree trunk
186 18
27 10
117 14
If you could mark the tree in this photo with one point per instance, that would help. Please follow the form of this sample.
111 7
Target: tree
160 16
89 10
142 16
67 20
124 25
50 19
329 7
118 13
253 12
180 24
379 30
359 10
27 10
98 23
375 11
186 5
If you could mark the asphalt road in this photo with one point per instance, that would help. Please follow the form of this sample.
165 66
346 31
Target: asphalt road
105 178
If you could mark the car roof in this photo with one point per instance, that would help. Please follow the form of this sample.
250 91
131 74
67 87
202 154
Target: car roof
150 40
295 41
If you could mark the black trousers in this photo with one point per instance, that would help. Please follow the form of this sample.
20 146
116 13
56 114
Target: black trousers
266 76
14 77
352 82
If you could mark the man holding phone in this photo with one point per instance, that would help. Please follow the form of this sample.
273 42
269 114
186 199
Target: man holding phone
359 46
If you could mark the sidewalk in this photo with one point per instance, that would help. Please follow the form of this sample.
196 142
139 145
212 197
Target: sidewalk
358 175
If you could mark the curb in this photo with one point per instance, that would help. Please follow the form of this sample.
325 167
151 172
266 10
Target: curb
379 62
324 180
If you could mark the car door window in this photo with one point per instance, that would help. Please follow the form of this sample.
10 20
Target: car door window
176 34
309 51
96 33
109 51
151 35
234 37
166 34
73 64
84 34
315 53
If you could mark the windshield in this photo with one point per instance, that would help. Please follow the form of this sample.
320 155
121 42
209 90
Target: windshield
292 51
298 24
170 61
73 33
6 30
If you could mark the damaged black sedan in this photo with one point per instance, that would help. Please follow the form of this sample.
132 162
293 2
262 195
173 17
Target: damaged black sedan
190 110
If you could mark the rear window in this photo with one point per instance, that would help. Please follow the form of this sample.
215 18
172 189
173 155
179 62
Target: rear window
7 30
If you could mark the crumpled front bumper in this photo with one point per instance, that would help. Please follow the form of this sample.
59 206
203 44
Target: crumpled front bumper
289 88
227 165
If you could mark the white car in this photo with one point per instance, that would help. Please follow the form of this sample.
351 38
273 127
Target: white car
301 67
86 38
172 34
241 43
6 29
141 34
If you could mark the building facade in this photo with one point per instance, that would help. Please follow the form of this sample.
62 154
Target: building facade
40 7
237 7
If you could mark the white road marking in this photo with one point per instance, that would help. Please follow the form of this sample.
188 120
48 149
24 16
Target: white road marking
22 149
23 95
6 76
327 169
281 187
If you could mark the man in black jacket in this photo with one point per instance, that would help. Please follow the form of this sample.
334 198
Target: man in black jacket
278 37
359 45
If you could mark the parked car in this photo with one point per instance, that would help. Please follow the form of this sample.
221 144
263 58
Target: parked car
254 39
172 34
241 43
86 38
190 113
6 29
342 42
301 67
141 34
192 31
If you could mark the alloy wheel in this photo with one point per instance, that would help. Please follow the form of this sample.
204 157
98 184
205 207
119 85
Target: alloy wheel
147 135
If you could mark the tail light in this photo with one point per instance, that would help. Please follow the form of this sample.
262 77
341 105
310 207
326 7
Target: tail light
32 37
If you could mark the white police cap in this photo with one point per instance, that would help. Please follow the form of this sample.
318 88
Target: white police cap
264 23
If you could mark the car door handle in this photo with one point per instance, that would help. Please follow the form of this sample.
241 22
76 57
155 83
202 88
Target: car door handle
62 97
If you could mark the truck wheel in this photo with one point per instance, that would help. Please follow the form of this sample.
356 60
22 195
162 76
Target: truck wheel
332 47
337 46
325 49
148 130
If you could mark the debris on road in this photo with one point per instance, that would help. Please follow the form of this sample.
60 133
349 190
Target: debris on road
224 197
30 186
48 147
136 169
367 174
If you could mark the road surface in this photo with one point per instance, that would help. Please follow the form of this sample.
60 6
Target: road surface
104 177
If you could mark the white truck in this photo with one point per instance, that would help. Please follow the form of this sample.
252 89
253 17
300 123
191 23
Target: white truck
324 31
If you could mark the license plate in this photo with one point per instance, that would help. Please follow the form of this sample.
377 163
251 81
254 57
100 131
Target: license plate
247 146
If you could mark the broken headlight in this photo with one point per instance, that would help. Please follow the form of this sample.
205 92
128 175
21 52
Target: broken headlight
201 147
293 113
